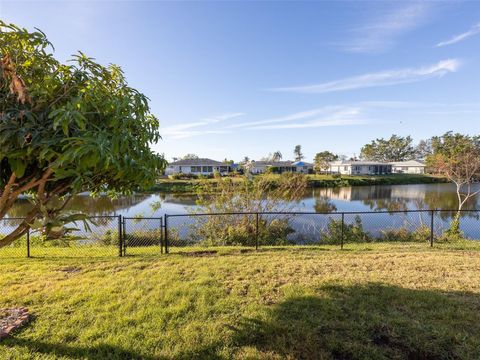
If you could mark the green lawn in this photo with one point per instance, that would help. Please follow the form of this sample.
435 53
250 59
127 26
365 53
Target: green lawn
392 302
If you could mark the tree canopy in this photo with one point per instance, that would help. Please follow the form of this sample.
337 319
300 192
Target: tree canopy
397 148
457 157
66 128
322 160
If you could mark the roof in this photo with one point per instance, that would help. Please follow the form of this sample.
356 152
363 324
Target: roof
345 162
272 163
198 162
301 163
408 163
280 163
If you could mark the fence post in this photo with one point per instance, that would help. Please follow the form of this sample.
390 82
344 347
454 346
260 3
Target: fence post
256 231
343 230
28 242
120 237
161 236
124 235
431 228
165 219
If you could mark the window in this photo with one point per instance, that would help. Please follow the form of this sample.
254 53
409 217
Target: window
207 169
196 169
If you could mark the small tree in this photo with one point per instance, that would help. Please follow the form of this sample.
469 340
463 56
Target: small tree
298 153
67 128
457 157
322 161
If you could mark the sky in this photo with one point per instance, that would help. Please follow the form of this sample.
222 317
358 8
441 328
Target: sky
233 79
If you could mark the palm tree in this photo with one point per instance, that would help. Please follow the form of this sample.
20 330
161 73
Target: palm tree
277 156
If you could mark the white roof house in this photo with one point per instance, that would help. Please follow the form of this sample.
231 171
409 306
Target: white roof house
201 166
408 167
360 167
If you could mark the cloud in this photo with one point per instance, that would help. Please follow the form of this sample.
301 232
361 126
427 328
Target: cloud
182 131
291 117
384 78
188 134
319 117
474 30
382 31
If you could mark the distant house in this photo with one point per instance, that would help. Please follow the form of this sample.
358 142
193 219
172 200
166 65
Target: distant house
360 168
197 166
408 167
260 167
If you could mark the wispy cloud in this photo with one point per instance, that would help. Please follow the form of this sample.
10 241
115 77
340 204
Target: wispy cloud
291 117
182 131
384 78
381 32
474 30
325 116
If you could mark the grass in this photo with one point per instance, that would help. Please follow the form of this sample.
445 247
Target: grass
314 181
390 302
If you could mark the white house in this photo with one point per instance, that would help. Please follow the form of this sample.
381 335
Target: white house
197 166
360 168
260 167
408 167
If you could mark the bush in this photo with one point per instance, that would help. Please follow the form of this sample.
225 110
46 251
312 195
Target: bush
421 234
182 176
353 233
234 230
143 238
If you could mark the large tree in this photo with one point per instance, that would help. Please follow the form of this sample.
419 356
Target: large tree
297 152
397 148
67 128
457 157
322 160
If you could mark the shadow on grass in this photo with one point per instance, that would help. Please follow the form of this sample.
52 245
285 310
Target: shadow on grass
367 322
372 321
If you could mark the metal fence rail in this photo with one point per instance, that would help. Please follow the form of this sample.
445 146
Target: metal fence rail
127 236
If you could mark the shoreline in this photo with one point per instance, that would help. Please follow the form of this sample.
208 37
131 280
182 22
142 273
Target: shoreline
314 182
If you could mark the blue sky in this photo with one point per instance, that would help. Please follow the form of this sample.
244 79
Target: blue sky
235 79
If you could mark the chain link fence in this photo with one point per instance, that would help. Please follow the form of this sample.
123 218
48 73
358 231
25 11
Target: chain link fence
350 230
117 236
142 236
96 237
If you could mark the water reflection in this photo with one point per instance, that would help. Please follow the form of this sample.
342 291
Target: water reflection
361 198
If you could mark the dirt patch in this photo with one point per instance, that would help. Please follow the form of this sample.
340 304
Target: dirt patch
12 319
70 269
200 253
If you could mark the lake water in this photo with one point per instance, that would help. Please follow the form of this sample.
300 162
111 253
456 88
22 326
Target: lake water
359 198
348 199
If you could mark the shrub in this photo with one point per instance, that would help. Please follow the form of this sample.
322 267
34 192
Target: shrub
403 234
231 230
143 238
352 232
182 176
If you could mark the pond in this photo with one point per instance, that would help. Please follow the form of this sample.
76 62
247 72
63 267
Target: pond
299 229
357 198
